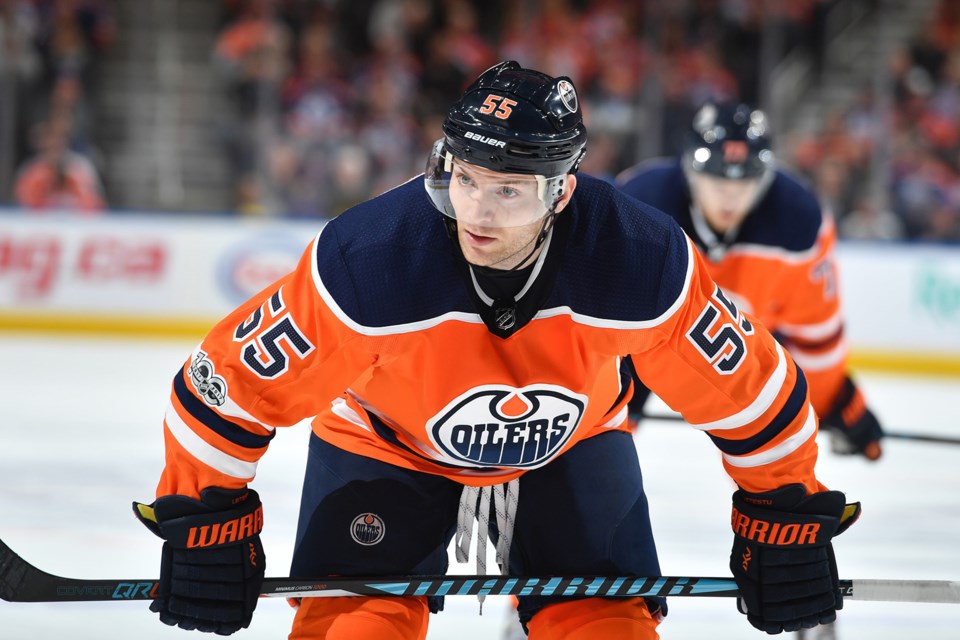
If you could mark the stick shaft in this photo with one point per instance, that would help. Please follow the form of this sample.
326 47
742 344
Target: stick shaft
589 586
931 591
22 582
944 591
921 437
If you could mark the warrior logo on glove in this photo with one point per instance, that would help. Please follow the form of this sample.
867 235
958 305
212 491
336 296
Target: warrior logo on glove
774 533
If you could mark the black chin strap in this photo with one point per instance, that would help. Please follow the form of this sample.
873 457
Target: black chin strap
548 221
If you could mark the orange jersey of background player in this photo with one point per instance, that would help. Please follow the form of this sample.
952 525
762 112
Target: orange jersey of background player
778 266
382 334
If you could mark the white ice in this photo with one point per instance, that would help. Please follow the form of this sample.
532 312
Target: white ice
80 438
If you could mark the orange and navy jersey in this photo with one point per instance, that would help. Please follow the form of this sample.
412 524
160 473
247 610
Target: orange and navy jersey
382 336
779 267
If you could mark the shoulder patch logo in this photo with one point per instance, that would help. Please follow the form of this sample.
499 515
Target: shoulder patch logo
367 529
211 387
501 426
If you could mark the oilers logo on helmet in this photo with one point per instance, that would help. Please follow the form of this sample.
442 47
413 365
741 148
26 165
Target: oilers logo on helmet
501 426
211 387
568 95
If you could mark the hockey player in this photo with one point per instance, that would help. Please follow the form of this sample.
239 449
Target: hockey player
480 349
769 245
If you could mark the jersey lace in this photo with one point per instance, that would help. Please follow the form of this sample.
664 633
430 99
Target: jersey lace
475 506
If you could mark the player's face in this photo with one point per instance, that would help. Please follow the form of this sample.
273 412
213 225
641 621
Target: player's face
498 214
486 198
724 202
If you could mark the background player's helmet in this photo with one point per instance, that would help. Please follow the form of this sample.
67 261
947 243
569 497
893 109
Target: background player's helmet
511 120
731 141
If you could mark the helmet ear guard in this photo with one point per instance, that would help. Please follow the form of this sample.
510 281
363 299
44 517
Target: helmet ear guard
436 178
550 190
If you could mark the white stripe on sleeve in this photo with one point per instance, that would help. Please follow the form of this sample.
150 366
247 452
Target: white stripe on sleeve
206 452
782 450
820 361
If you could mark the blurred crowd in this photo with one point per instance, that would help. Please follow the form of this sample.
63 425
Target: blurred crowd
337 101
333 101
920 138
49 51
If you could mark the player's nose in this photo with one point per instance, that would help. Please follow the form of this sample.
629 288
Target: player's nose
477 210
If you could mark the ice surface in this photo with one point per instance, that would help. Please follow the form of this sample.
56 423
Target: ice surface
80 437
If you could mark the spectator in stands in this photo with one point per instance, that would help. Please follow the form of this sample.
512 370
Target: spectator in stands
253 57
72 36
20 73
18 27
252 52
868 221
58 178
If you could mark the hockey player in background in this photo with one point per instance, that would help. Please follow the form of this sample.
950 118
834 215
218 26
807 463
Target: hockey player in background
769 245
477 316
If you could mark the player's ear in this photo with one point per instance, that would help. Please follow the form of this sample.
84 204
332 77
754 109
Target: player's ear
571 184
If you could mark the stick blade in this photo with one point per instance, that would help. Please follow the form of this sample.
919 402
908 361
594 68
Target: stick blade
15 572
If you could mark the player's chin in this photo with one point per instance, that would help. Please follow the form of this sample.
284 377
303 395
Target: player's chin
479 258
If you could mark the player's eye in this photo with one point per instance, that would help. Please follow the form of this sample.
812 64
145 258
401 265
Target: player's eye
508 192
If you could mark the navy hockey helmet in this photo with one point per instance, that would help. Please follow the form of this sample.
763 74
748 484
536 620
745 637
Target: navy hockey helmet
731 141
511 120
517 120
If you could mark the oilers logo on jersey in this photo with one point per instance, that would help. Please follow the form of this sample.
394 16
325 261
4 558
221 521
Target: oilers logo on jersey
211 387
501 426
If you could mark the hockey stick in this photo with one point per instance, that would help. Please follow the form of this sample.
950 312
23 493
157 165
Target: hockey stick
22 582
893 435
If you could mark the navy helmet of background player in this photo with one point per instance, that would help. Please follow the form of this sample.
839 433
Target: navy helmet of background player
769 246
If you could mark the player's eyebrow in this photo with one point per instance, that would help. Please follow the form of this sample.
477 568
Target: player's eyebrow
497 177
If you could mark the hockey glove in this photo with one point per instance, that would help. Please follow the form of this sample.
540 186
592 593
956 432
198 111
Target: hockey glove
854 428
782 558
212 563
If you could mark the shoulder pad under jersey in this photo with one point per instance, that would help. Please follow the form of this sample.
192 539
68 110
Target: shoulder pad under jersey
388 262
625 261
